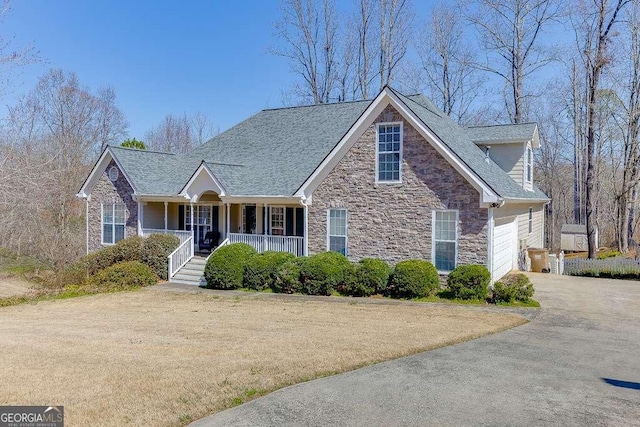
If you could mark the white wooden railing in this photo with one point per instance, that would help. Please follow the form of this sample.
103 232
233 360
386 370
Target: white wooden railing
225 242
261 242
181 234
180 256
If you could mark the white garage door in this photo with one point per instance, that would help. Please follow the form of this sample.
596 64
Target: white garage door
504 247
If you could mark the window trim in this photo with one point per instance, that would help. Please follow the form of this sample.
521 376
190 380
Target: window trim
113 224
284 220
530 220
377 177
433 237
346 229
528 170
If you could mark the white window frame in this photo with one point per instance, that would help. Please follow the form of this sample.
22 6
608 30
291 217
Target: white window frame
378 125
284 220
528 171
433 237
530 220
346 229
112 206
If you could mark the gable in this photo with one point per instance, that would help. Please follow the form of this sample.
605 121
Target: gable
106 160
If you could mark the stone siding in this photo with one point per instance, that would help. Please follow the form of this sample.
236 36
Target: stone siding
108 192
394 221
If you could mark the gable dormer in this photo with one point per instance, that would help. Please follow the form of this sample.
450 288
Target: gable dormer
510 147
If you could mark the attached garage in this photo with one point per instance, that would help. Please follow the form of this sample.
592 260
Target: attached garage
505 246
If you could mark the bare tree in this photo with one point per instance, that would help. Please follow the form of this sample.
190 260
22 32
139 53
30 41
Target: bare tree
396 18
180 134
365 38
308 30
509 32
447 63
593 26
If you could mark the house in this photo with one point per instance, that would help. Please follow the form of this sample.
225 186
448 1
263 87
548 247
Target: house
393 177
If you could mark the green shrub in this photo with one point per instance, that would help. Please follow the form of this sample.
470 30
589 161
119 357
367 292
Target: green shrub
260 270
323 273
99 260
156 249
469 282
611 253
129 249
370 276
287 279
413 278
515 287
225 267
122 276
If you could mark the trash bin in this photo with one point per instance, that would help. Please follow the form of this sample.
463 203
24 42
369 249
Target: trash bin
539 260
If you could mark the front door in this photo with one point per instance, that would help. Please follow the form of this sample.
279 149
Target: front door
205 218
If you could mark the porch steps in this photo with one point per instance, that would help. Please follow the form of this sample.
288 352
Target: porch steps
192 273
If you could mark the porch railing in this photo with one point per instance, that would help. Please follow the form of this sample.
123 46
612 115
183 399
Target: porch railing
180 256
261 242
181 234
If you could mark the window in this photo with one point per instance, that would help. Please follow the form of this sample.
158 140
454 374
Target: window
529 164
530 220
277 221
445 237
337 231
113 173
113 223
389 150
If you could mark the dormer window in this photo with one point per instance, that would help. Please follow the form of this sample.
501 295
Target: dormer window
529 160
389 153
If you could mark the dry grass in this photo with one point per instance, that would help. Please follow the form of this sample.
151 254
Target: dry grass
13 286
156 357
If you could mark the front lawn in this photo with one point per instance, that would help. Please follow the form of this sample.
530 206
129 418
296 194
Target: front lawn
157 357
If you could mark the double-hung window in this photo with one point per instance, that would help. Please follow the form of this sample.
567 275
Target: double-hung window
113 223
529 164
277 220
445 239
389 149
337 231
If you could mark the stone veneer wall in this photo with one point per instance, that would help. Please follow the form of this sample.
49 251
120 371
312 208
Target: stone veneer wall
109 192
394 221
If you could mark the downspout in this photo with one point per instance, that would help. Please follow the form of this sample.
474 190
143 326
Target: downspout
305 246
86 204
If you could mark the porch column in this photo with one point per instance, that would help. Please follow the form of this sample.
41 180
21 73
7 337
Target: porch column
306 231
265 219
227 218
265 215
165 216
140 213
192 226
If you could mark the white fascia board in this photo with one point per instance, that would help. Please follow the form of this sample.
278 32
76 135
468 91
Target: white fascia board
97 171
515 201
269 200
203 168
535 141
344 145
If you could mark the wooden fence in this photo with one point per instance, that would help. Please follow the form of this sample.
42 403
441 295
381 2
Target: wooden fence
575 266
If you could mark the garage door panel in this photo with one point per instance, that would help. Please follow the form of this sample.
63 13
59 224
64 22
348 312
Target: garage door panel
504 240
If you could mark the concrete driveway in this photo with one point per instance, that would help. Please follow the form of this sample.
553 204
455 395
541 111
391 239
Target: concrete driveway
576 363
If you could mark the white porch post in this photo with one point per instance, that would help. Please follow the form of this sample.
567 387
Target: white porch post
192 226
305 250
140 213
165 216
265 219
227 218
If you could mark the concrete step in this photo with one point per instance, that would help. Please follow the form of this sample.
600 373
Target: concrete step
189 272
191 279
197 261
187 282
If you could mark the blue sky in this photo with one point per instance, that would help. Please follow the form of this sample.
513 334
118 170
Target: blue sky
161 57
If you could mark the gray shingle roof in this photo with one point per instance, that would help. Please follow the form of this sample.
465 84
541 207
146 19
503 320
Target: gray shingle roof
574 229
502 133
273 152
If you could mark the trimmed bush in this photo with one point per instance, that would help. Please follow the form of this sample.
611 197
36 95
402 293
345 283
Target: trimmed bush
287 279
261 270
323 273
156 249
129 249
516 287
414 278
469 282
370 276
225 267
122 276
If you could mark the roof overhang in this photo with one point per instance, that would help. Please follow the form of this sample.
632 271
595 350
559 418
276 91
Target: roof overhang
98 169
263 199
202 181
387 97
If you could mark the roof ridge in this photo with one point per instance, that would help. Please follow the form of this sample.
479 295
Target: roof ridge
502 124
141 150
223 163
